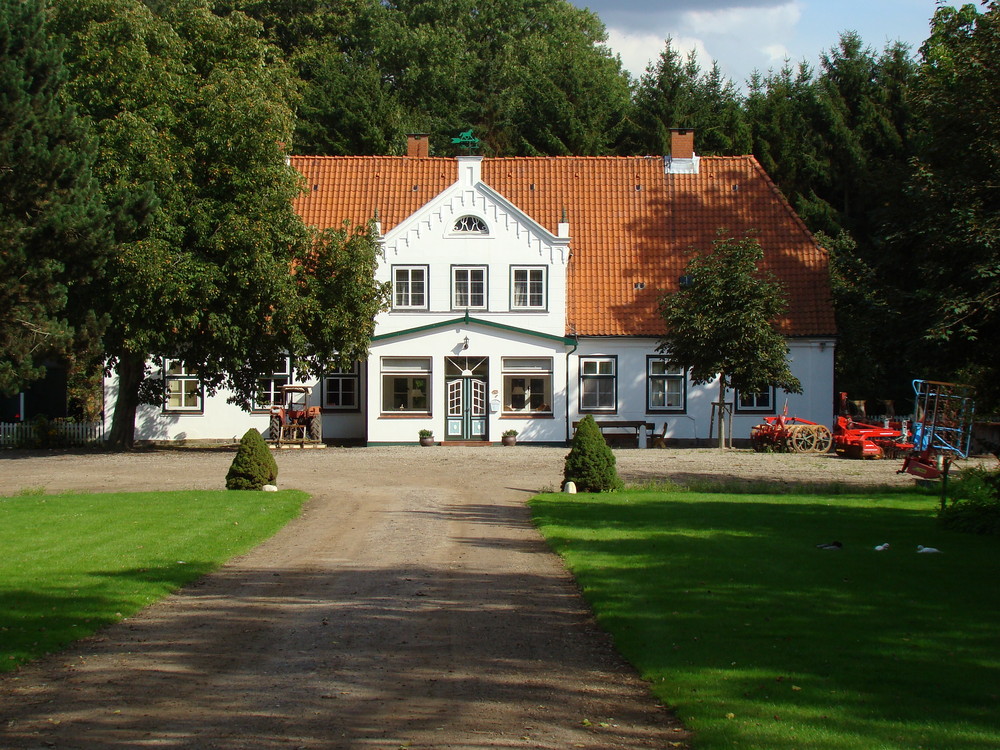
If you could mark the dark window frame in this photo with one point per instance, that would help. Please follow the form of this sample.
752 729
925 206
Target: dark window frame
593 377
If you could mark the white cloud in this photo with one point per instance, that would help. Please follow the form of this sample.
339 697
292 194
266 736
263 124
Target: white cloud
639 50
777 53
742 39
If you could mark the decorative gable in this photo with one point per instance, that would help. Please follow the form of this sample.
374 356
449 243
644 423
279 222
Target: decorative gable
449 216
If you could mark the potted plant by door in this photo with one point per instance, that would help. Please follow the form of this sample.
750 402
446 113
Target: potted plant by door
426 437
509 437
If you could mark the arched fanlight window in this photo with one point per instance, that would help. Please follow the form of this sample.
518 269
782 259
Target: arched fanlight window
471 225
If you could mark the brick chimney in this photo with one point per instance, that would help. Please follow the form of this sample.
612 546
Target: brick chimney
417 144
681 143
682 159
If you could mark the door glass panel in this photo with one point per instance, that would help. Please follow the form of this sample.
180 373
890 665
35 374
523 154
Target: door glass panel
455 398
478 398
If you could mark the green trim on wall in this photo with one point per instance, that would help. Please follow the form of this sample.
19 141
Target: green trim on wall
467 320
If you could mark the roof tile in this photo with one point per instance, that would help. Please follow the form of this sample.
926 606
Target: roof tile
629 221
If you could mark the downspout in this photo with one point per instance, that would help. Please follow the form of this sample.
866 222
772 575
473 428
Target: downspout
576 345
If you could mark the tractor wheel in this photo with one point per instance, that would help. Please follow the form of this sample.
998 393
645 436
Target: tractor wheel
823 439
801 439
275 428
315 428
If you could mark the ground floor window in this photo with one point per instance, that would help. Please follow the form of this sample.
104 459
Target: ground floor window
758 401
406 384
666 386
598 384
269 387
182 389
527 385
341 388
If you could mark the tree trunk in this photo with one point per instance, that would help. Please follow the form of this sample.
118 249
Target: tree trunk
722 411
131 370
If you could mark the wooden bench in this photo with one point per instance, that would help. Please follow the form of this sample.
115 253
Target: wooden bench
623 433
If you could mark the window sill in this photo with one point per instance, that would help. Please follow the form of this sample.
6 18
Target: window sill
405 415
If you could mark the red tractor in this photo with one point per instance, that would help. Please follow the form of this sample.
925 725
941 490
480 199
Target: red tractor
293 420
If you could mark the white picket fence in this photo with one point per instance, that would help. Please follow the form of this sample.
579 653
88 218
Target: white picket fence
61 434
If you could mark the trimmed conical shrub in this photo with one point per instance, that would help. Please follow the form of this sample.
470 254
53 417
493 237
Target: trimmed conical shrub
590 463
253 466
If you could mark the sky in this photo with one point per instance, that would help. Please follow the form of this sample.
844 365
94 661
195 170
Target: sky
747 35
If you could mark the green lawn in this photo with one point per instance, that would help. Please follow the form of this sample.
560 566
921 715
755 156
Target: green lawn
74 563
760 640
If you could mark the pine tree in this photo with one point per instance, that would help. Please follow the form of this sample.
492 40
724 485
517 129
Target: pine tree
590 463
54 230
253 465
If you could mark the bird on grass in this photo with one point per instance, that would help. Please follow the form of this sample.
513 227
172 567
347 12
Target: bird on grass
882 547
921 549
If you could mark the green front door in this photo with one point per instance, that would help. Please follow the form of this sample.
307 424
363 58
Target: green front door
465 388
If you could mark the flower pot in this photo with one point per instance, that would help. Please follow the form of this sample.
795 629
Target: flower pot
508 439
427 440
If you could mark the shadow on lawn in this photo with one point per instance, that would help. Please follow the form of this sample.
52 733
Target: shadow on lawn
732 603
54 616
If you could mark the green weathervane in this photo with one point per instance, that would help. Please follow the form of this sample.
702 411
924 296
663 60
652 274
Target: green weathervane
467 140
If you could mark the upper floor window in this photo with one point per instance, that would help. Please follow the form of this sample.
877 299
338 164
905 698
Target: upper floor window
760 401
468 286
527 288
409 287
470 225
598 384
666 385
183 391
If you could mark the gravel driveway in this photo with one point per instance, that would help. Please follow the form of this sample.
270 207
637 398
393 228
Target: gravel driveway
412 605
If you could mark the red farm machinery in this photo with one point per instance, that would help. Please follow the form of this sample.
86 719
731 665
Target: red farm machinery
790 435
293 421
853 438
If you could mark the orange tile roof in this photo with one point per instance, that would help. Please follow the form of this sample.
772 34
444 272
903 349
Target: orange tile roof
630 223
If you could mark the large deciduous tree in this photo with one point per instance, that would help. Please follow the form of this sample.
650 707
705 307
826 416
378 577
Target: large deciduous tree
955 233
55 234
721 323
197 106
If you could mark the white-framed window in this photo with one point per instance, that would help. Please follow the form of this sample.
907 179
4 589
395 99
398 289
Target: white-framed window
527 288
527 385
756 401
406 384
341 389
470 225
183 391
666 386
269 388
409 287
468 287
598 384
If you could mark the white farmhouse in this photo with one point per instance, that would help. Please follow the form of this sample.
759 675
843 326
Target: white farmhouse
524 296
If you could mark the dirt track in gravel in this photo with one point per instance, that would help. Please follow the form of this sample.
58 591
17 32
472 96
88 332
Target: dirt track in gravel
412 605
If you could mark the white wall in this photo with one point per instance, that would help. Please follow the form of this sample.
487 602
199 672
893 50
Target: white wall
484 343
220 420
811 360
